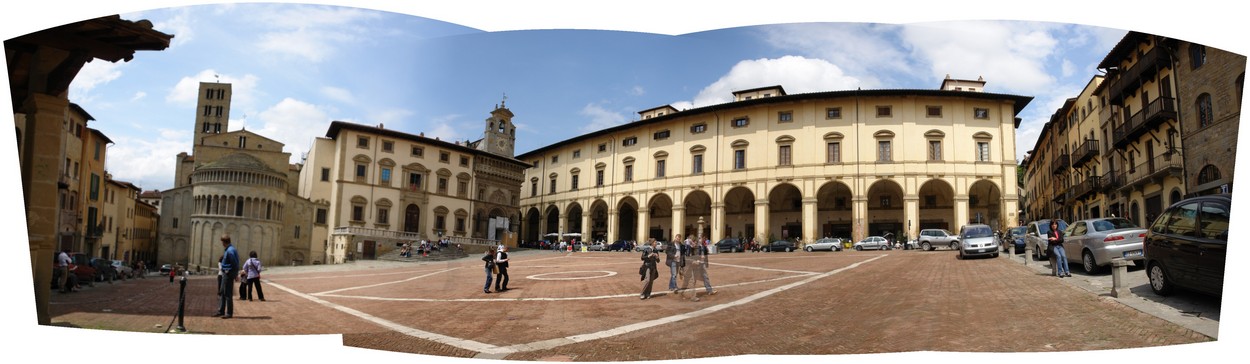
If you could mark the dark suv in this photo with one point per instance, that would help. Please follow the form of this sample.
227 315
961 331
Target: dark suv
1186 245
732 245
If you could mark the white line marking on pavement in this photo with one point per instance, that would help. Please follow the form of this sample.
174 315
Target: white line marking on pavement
383 283
766 269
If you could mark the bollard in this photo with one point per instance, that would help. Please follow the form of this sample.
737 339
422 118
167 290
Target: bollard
1028 254
182 302
1119 270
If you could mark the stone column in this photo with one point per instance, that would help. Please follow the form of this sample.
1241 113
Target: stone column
860 217
644 220
613 236
809 221
718 222
761 221
679 221
42 143
911 215
961 212
586 226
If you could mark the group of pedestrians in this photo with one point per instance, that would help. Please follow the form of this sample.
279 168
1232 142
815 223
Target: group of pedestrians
686 258
496 260
229 271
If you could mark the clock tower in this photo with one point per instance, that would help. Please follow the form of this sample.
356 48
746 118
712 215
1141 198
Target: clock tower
500 132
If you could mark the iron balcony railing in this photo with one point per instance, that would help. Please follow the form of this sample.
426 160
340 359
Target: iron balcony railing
1161 164
1110 181
1146 67
1084 153
1061 163
1158 111
1085 187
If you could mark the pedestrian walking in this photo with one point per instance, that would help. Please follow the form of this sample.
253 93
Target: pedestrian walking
673 258
650 257
252 269
230 270
501 261
1054 240
491 269
697 268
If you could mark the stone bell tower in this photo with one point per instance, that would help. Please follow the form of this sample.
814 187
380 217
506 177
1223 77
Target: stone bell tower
500 133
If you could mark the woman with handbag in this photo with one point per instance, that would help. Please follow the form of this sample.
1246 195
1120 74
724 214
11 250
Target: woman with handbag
491 269
648 269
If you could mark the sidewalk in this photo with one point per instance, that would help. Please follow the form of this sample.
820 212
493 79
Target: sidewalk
1189 310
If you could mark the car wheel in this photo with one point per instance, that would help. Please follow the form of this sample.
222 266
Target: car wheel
1158 280
859 248
926 246
1037 254
808 249
789 249
996 254
1088 262
955 245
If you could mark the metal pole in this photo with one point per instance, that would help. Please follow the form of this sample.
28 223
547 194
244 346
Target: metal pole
182 302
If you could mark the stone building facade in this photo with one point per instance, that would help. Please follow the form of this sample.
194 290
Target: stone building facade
775 166
1208 90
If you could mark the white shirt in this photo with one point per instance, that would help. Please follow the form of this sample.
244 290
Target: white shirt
62 260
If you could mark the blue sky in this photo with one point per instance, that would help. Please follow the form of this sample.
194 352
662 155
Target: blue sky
295 68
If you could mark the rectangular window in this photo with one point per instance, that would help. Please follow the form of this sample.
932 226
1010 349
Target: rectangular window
95 187
325 174
833 113
554 159
983 151
175 222
442 185
573 183
981 113
783 155
321 216
933 111
696 164
383 215
659 168
460 224
444 157
603 147
885 202
629 141
598 178
833 152
664 134
533 188
935 150
883 151
462 189
386 175
360 171
464 161
97 150
740 122
297 231
440 222
577 154
362 142
418 152
629 173
785 116
740 159
388 146
553 186
358 213
884 111
414 181
698 128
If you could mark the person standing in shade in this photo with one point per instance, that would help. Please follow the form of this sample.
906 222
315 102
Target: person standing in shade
501 261
1054 239
489 258
650 258
230 271
252 269
62 267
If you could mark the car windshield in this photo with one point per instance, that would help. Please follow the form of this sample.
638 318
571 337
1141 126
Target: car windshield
978 232
1113 224
1043 227
1018 230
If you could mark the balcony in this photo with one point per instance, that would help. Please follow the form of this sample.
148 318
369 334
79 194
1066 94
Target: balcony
1110 181
1061 163
1084 153
1157 112
1152 171
377 233
1146 67
1086 187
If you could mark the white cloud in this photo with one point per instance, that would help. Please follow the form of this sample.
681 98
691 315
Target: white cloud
294 123
1068 68
312 32
243 89
95 73
796 74
601 118
865 51
1011 56
180 25
637 91
146 161
395 117
338 94
138 96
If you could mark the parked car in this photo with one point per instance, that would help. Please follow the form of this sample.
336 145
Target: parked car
104 270
830 244
977 240
732 245
123 270
597 246
871 242
1035 237
1014 238
619 246
780 246
1186 246
1094 242
80 268
166 268
931 239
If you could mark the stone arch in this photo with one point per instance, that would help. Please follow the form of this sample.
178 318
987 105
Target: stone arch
740 213
552 224
936 206
985 204
530 229
833 210
785 212
627 218
573 219
599 220
698 203
660 217
885 210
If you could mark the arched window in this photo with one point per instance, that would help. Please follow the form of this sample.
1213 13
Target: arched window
1208 174
1205 116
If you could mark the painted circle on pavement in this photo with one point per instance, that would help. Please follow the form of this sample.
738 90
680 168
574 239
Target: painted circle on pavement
544 276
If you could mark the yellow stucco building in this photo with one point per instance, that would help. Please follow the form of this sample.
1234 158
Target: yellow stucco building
773 165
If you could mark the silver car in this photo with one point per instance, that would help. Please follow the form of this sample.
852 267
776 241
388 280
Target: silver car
1035 237
830 244
872 242
1095 242
977 239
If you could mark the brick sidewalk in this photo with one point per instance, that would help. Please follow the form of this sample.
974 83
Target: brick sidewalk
902 301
